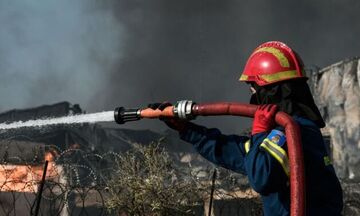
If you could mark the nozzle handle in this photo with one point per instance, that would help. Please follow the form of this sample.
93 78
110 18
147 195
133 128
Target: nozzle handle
123 115
181 110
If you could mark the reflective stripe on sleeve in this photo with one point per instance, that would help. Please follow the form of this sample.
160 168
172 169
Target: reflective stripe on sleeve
247 146
278 153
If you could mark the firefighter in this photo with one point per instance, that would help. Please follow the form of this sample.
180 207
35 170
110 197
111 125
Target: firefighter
276 78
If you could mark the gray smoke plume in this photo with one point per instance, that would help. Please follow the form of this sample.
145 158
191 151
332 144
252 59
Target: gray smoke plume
104 54
52 51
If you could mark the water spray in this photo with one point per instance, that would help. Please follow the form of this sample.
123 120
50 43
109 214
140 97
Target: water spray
188 110
107 116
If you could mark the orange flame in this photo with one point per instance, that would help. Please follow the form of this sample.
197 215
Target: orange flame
26 178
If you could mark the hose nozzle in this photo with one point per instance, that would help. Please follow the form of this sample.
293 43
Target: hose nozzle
182 110
123 115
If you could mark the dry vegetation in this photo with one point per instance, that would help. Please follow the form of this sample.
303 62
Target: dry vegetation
147 182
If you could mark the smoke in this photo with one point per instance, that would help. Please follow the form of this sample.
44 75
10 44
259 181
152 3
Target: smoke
52 51
197 49
103 54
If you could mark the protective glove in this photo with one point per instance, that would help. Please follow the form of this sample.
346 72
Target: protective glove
264 119
175 124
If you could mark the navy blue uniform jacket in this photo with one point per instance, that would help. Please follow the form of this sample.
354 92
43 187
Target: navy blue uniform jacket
267 168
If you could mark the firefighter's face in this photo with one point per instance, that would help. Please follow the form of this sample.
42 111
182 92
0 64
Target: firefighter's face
252 89
253 97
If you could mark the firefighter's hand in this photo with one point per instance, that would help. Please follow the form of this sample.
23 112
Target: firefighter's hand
264 119
172 123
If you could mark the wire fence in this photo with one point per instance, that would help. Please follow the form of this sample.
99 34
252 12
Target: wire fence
77 183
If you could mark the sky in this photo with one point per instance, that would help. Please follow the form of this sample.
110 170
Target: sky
104 54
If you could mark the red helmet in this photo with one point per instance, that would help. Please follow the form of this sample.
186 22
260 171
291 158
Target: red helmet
272 62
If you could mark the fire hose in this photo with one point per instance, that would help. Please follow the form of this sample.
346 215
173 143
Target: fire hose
188 110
